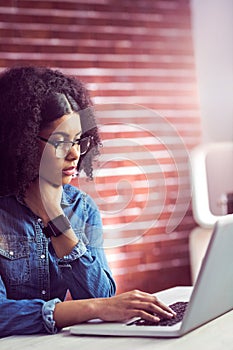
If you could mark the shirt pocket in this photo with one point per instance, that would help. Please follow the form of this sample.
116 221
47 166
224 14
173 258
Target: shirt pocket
14 254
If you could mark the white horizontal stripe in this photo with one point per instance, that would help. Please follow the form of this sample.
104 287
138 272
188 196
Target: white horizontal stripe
113 257
142 86
141 156
160 127
142 213
130 72
101 43
160 124
143 238
136 230
92 187
137 227
140 58
158 238
119 112
139 99
122 111
152 193
129 125
121 256
139 170
155 72
150 200
88 14
170 142
156 266
135 184
171 32
158 4
151 141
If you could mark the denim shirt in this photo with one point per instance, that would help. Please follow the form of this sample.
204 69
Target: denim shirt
33 279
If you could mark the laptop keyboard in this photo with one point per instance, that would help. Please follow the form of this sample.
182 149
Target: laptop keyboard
179 307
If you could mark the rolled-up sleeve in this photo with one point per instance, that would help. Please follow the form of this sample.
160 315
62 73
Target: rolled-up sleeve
79 250
47 314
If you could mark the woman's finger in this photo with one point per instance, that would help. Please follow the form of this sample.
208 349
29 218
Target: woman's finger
163 306
156 305
151 308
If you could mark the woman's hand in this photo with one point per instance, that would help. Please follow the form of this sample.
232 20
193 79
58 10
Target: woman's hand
119 308
134 304
44 200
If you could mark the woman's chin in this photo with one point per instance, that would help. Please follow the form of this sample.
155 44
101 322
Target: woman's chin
66 179
59 181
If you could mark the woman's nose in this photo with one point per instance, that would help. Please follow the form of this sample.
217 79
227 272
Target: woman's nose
74 152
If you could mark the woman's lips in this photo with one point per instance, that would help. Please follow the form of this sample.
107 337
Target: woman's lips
69 171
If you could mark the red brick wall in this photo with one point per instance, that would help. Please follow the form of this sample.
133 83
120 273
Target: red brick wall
137 60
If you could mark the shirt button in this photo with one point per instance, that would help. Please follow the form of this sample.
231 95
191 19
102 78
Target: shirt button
43 292
42 256
11 253
40 222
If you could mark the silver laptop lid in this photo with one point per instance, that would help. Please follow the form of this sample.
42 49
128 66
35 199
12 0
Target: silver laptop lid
213 292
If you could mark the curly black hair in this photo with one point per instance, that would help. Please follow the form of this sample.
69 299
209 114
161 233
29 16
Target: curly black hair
25 95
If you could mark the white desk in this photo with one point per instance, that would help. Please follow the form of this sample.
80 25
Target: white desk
216 335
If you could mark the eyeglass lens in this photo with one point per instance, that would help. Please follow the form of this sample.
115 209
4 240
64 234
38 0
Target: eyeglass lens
63 148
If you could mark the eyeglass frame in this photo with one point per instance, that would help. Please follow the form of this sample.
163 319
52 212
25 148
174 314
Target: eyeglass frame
55 144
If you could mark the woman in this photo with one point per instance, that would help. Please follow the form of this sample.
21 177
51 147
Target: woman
50 232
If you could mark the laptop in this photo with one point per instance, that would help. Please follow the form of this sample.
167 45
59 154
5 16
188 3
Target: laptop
211 296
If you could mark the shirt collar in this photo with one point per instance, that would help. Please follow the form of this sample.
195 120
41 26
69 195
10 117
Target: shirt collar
67 199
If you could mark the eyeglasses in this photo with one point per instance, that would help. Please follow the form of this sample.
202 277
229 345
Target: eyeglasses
62 148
